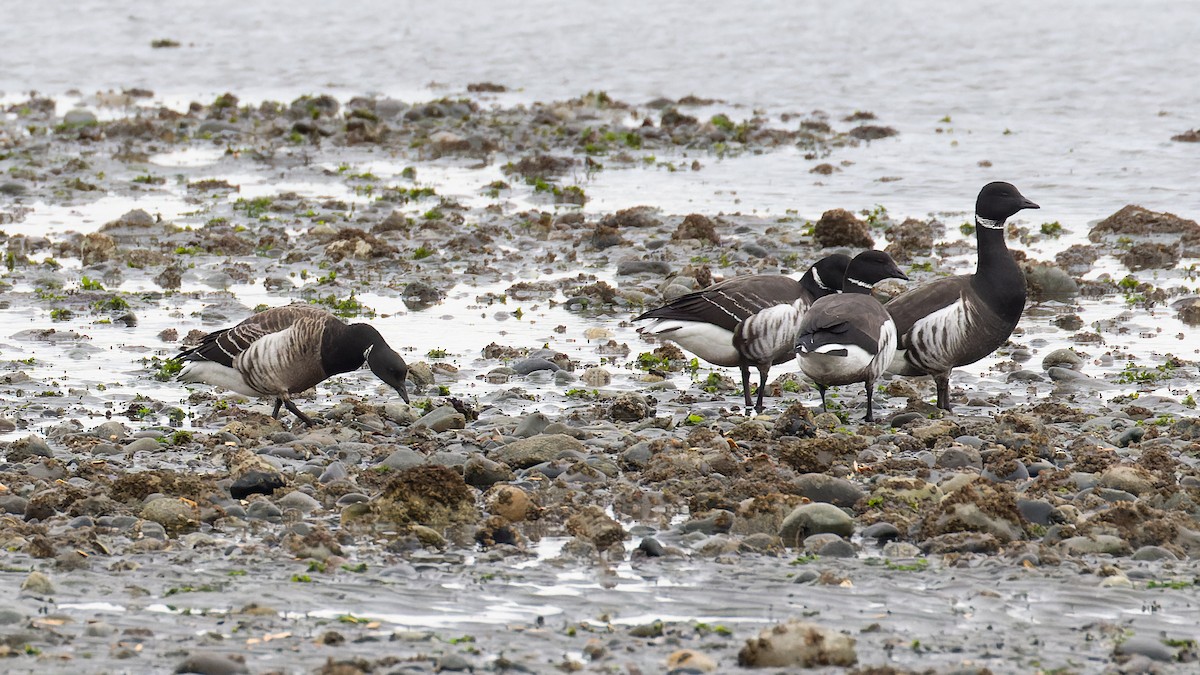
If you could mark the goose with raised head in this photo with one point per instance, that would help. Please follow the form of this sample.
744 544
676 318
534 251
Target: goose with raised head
959 320
286 350
849 337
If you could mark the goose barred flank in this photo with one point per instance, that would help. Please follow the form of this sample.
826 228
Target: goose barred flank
704 322
289 349
769 337
850 337
959 320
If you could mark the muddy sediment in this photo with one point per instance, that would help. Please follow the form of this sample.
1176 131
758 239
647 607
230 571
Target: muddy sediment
561 495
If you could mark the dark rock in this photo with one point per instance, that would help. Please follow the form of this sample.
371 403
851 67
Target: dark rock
900 419
631 407
1037 511
1189 310
651 547
1150 255
911 238
256 482
696 226
881 532
839 227
481 472
1136 221
872 132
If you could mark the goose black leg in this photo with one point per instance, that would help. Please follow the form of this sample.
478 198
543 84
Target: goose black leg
762 385
745 368
296 411
275 412
821 388
870 417
942 380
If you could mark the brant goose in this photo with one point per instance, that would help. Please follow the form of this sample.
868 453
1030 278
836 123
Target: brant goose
289 349
850 337
769 337
704 322
958 320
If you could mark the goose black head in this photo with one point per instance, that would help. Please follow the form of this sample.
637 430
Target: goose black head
826 275
999 201
389 367
869 268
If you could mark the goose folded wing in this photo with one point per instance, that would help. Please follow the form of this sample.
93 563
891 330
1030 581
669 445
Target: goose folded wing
834 336
728 303
223 346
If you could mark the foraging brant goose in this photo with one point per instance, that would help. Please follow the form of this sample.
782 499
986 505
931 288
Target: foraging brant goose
289 349
850 337
704 322
958 320
769 337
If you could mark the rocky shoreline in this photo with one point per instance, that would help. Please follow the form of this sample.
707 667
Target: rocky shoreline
586 501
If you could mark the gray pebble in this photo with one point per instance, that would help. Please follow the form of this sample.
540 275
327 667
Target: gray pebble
531 425
838 549
527 366
302 502
335 471
1036 511
211 664
809 519
628 267
153 530
481 472
264 510
403 458
442 418
144 445
1063 358
1151 648
819 487
1153 553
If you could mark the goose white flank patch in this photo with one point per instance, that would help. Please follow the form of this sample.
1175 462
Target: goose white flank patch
959 320
289 349
704 322
770 336
850 337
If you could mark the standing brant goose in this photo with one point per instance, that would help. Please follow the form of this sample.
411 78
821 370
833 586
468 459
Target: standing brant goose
850 337
704 322
289 349
769 337
958 320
